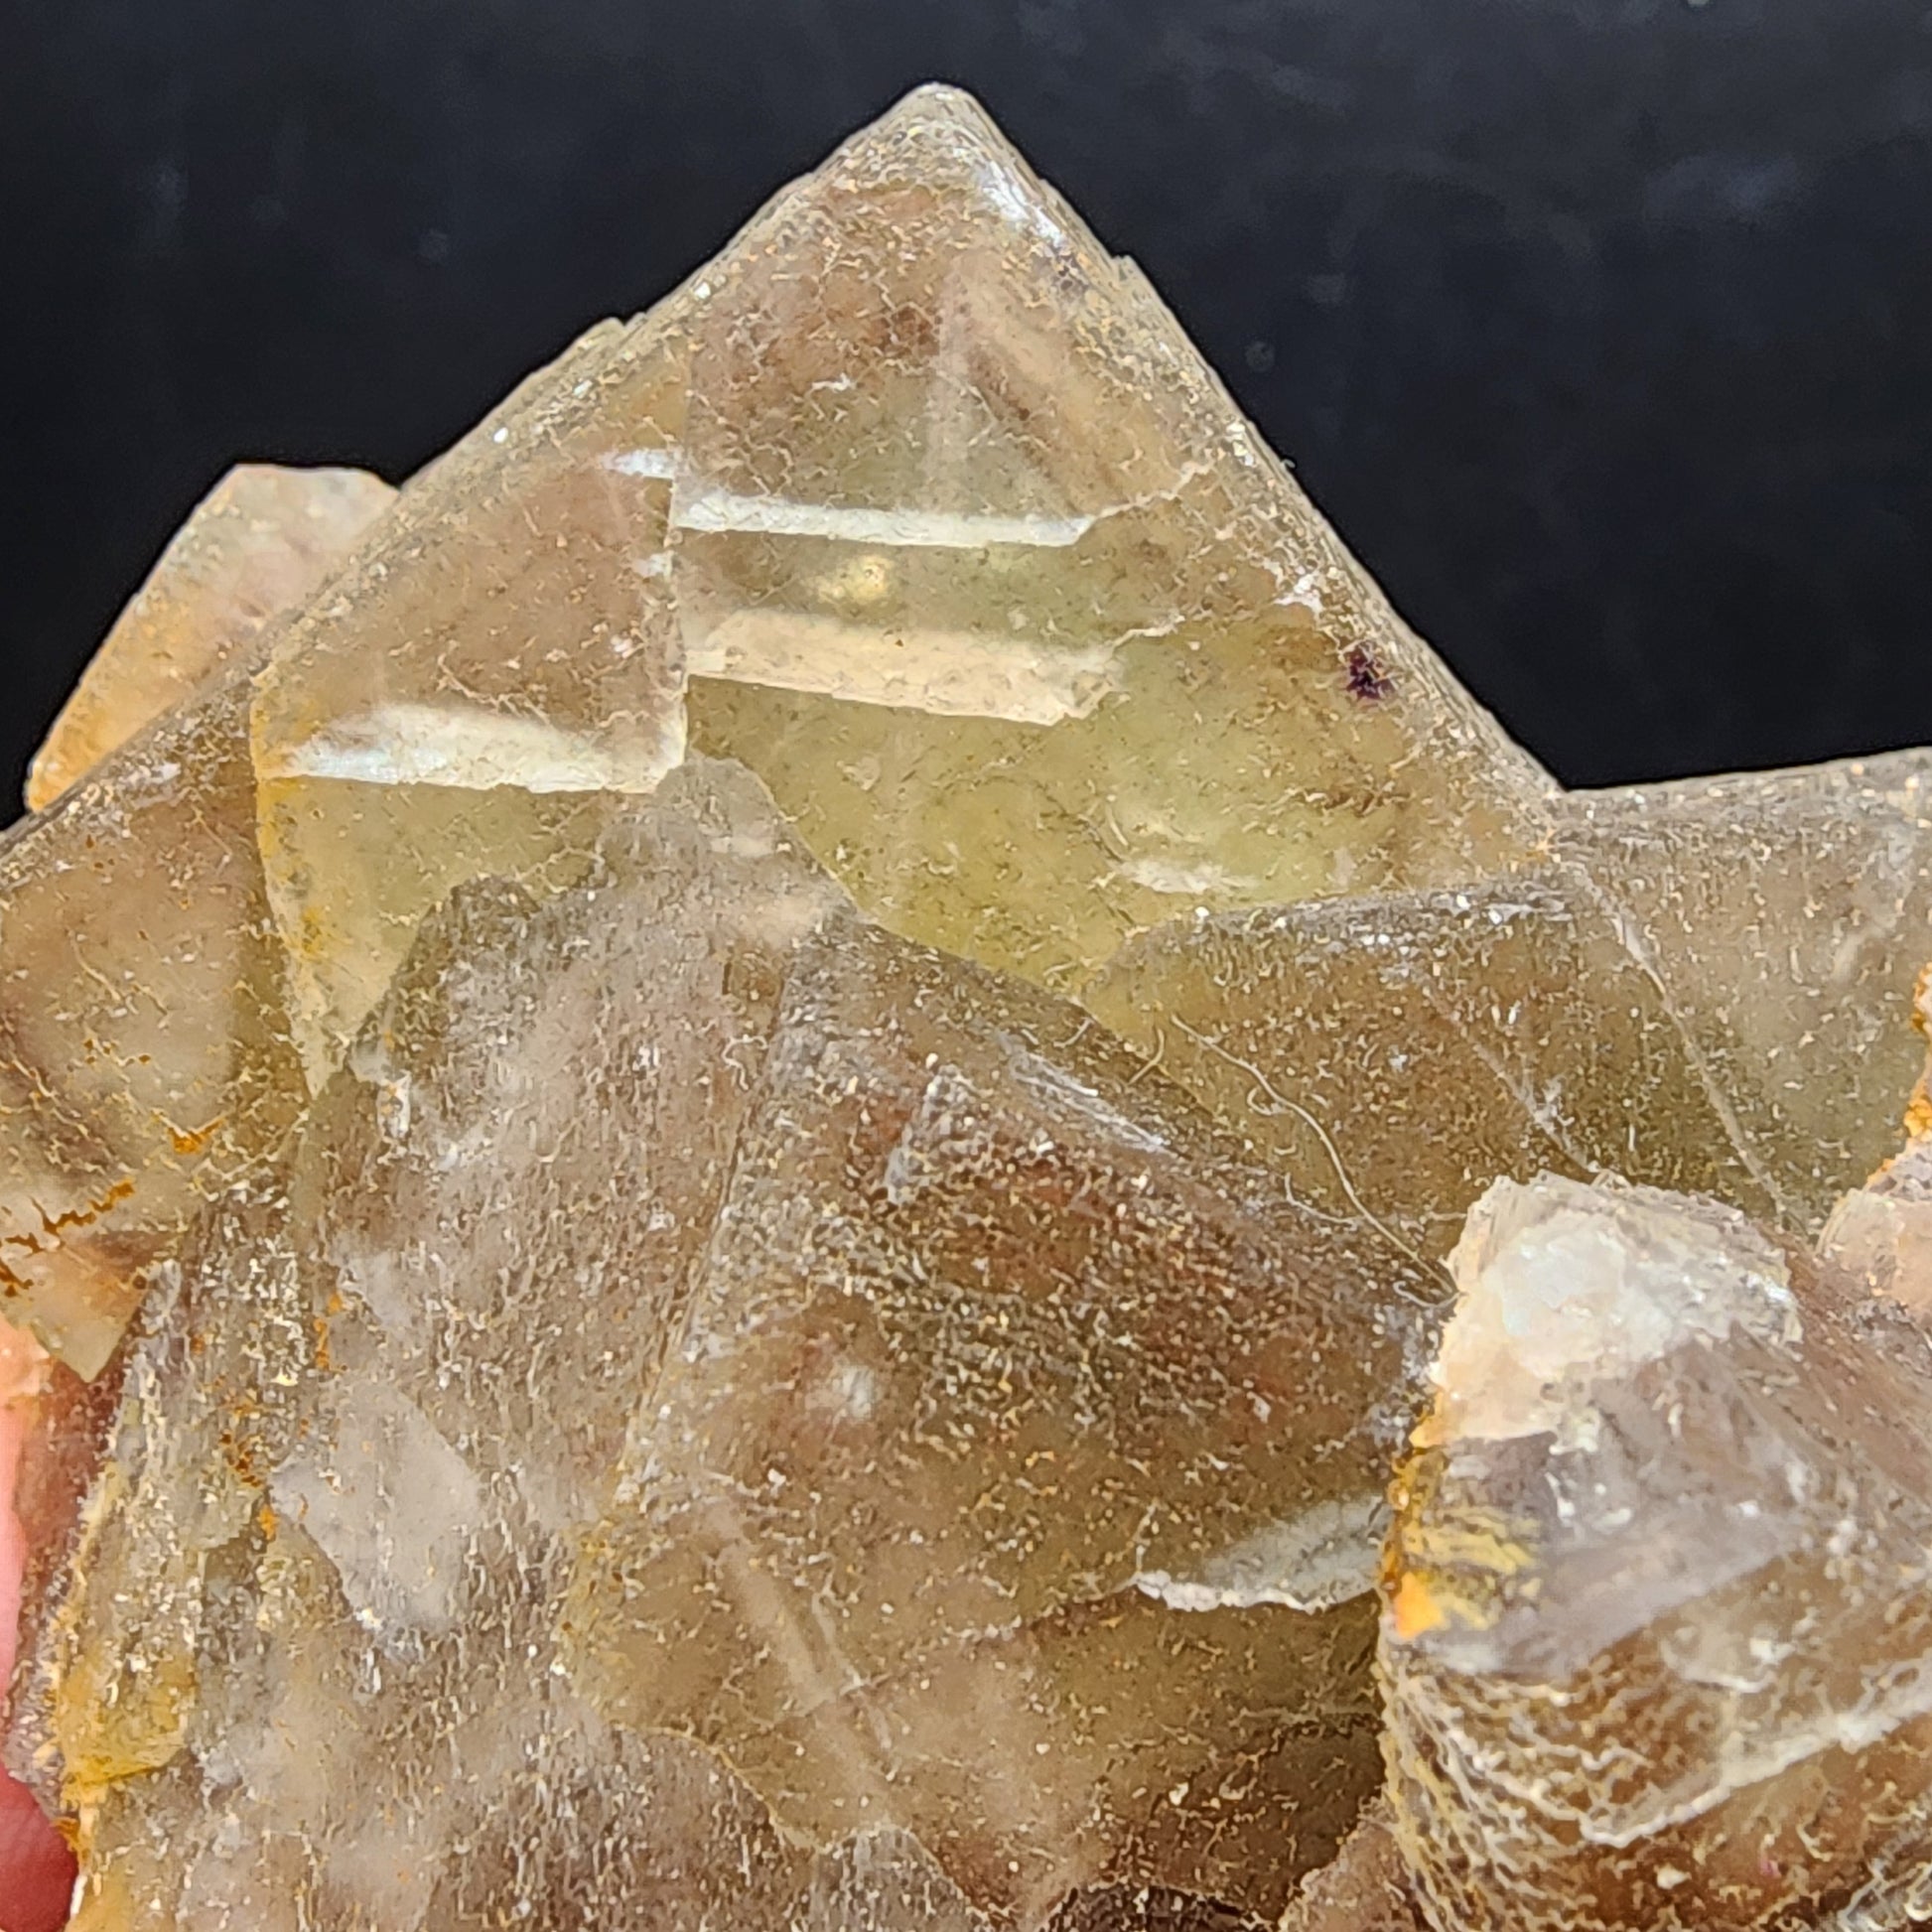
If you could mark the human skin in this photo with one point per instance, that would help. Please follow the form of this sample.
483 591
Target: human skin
36 1868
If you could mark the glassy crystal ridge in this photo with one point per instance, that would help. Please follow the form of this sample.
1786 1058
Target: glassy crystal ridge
1658 1625
726 1155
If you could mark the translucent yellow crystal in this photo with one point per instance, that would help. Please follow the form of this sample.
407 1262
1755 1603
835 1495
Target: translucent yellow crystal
262 541
190 937
1397 1053
979 568
669 1326
506 656
145 1051
1786 917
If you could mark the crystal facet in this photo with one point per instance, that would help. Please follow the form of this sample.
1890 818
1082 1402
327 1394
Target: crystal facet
261 542
1658 1623
883 1359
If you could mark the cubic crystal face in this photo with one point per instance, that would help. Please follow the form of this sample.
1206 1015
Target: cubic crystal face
882 1360
727 1151
263 541
1658 1617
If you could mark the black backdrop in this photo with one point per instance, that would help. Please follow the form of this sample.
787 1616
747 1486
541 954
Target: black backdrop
1602 328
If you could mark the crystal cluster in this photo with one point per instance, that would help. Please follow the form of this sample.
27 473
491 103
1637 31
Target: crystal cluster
726 1146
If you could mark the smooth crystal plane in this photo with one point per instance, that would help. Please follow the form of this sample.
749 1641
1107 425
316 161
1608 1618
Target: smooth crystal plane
824 1148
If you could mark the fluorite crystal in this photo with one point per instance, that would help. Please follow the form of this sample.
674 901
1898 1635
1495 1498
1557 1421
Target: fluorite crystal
1659 1636
263 541
727 1156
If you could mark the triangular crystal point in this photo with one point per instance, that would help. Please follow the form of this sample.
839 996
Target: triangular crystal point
940 133
937 108
936 115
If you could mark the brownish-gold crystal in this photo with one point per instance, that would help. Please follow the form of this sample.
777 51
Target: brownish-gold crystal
1656 1626
948 1435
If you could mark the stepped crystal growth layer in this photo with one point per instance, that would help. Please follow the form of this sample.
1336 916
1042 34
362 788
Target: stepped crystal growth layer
729 1143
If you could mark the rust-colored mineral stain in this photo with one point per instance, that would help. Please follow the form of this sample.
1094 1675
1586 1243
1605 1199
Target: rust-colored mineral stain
1413 1607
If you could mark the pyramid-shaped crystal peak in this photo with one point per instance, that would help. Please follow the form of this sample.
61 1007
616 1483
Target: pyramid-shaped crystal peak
977 564
916 502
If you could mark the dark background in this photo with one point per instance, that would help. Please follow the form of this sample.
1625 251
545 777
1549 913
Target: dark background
1602 328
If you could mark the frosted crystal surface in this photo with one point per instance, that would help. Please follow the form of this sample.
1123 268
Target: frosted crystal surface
1395 1052
976 565
736 1132
778 1476
1657 1627
263 540
1785 917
